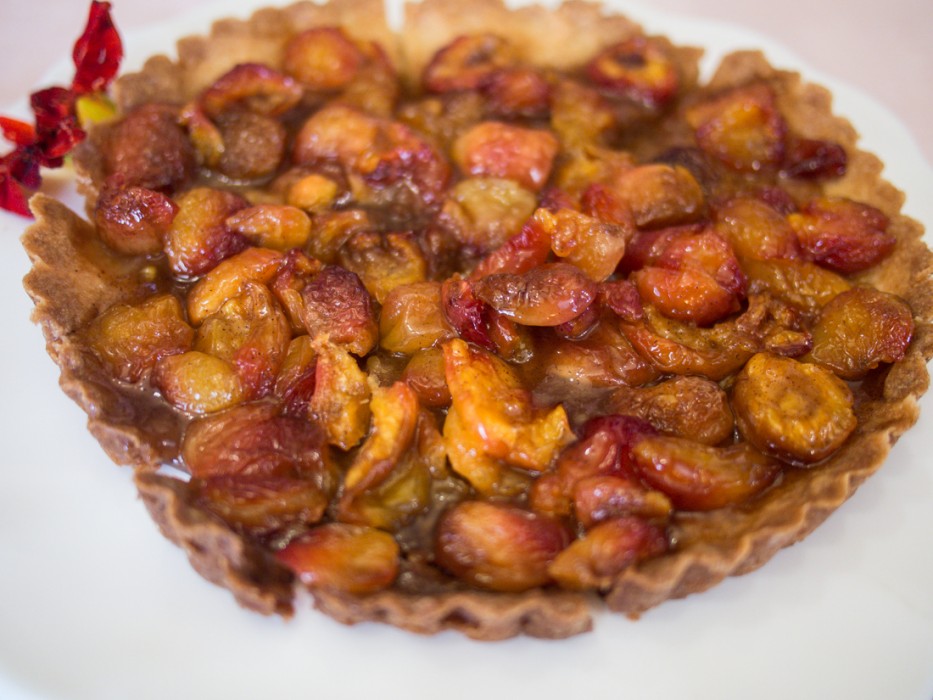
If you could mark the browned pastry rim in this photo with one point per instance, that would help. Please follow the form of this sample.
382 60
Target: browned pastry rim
70 286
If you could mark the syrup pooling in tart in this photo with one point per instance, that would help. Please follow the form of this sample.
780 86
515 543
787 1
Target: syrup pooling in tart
496 325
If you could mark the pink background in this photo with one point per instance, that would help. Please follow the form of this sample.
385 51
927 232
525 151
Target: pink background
885 49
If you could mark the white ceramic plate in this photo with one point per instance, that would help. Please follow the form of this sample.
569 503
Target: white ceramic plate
96 605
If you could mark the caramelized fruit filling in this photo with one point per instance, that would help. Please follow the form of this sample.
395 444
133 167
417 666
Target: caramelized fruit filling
463 324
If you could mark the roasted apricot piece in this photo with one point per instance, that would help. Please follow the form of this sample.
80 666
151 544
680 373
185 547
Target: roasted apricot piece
525 250
686 295
581 325
687 273
260 505
659 195
341 395
843 235
148 148
389 481
443 119
313 192
688 407
489 476
375 88
491 400
253 440
603 358
622 431
484 212
580 116
742 127
547 295
756 230
335 303
777 326
198 383
622 298
603 449
605 497
646 247
517 93
425 375
354 559
814 159
251 86
467 62
594 561
133 220
203 134
498 547
228 279
588 243
339 134
498 149
675 347
777 197
274 226
394 413
599 201
253 146
407 163
804 285
294 384
707 251
198 238
252 333
639 68
477 322
859 330
465 312
383 261
323 58
704 168
512 341
412 318
797 411
130 340
702 477
231 123
329 231
375 154
290 277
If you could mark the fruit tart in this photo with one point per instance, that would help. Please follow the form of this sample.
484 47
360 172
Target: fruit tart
484 320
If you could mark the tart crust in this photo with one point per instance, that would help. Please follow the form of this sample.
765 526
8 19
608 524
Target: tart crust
73 280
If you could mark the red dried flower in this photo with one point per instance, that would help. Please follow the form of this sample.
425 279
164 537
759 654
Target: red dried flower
16 132
12 195
97 55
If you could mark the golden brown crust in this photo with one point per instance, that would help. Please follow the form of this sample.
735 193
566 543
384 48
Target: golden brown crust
261 38
69 289
579 29
478 615
561 37
218 554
